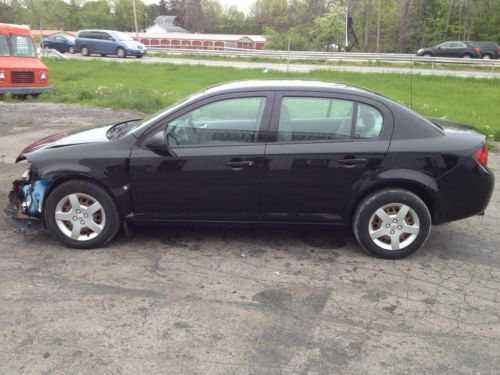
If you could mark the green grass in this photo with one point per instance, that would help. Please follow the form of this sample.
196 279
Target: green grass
149 87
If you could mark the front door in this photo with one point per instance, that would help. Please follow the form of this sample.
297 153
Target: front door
322 148
211 168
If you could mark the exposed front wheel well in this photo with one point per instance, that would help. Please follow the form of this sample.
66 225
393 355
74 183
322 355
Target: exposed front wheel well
74 177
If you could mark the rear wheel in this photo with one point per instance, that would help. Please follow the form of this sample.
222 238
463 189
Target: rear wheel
120 52
467 56
85 51
81 215
487 56
103 55
392 223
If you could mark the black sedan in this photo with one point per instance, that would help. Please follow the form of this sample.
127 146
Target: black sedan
261 152
61 43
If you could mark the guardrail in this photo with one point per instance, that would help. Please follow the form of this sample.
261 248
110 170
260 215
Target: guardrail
327 56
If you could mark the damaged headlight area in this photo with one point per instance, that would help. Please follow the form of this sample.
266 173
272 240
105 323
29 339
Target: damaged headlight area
26 199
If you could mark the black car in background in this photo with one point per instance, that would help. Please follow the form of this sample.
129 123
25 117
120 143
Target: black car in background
268 152
61 43
489 50
464 49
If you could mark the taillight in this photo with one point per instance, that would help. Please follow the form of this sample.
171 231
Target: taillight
498 50
481 155
477 49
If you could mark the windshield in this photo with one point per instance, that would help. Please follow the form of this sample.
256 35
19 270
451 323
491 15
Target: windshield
4 46
22 46
122 36
161 113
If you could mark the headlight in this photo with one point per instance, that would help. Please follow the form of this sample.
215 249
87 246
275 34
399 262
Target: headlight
26 175
420 50
43 76
2 75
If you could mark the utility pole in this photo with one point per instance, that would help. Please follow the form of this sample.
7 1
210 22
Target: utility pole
378 26
346 26
135 20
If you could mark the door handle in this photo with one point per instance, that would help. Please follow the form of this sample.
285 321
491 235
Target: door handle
238 165
349 162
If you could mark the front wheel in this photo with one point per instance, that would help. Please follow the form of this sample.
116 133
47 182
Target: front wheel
466 56
71 50
85 51
120 52
81 215
392 223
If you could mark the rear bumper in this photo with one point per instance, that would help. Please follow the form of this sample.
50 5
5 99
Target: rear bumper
464 192
24 90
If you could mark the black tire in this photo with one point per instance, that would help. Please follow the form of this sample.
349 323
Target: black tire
71 50
85 51
103 55
120 52
366 219
111 224
466 56
139 56
487 56
427 54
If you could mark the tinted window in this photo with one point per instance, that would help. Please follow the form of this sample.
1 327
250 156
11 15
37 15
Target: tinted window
369 122
104 36
4 46
445 45
84 34
314 119
231 121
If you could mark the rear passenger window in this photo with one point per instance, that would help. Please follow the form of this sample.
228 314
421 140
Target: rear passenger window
369 122
314 119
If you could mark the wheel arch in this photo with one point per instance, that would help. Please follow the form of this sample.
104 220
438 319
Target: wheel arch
419 189
59 179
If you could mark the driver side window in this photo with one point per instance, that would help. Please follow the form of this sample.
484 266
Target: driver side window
230 121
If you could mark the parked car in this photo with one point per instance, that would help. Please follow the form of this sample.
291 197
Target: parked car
261 152
21 70
61 43
108 42
489 50
464 49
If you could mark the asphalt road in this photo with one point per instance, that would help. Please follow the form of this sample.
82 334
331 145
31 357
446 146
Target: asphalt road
245 301
298 68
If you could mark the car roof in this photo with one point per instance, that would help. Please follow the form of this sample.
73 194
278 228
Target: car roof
287 85
99 30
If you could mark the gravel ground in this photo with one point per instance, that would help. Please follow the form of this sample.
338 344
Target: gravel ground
246 301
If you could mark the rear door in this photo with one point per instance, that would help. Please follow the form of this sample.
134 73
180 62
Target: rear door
322 146
211 169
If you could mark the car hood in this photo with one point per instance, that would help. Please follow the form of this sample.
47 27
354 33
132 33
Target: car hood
67 138
133 44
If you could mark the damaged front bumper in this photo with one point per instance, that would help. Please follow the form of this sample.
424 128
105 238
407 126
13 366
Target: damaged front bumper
24 210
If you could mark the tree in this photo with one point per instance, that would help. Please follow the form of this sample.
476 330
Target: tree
329 29
190 15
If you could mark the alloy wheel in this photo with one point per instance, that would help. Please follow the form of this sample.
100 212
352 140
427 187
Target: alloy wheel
80 217
394 226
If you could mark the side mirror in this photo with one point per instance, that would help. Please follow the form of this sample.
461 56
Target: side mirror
156 141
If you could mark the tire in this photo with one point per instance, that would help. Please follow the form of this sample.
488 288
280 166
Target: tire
120 52
139 56
467 56
71 50
85 51
427 54
487 56
74 203
402 239
103 55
